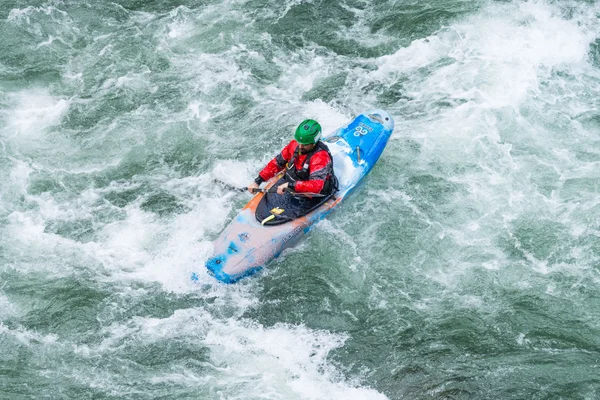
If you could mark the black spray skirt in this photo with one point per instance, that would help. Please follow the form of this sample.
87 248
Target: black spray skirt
292 206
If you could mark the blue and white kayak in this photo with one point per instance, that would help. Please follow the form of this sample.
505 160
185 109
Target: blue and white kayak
246 245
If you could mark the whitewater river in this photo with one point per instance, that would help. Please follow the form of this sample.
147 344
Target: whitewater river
467 265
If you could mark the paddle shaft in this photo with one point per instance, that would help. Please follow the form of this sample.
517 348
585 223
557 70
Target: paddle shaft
274 190
271 190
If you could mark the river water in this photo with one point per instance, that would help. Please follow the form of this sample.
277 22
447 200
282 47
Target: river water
465 267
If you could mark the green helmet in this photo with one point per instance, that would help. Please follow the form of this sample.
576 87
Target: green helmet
308 132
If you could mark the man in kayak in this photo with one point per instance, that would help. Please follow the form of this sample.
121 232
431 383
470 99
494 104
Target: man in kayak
307 162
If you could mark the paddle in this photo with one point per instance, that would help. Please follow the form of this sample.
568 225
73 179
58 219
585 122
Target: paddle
270 190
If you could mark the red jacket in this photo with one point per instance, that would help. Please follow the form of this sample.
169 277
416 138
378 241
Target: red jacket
320 167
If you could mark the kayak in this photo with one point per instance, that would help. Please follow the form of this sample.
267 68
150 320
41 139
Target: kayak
246 245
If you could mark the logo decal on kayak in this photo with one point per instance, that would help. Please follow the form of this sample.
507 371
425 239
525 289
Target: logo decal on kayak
362 129
293 233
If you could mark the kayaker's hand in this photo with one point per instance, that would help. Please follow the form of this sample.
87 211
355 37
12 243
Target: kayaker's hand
282 188
252 186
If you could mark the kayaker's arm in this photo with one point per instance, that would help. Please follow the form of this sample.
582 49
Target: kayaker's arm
276 164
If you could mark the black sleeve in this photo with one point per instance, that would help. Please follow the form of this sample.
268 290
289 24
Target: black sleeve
280 160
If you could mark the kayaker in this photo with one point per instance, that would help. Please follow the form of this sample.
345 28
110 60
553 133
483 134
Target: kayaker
306 160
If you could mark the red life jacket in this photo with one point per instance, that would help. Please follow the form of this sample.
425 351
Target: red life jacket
297 168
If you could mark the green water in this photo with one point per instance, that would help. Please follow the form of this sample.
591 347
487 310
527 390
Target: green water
465 267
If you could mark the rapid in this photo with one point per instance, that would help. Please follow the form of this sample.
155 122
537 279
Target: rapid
466 266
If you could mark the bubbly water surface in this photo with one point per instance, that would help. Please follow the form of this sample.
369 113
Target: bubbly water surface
465 267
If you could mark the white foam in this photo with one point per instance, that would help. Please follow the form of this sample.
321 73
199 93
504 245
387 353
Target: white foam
474 78
7 309
28 337
329 117
183 251
284 360
344 168
498 53
17 15
182 25
33 112
147 247
361 31
234 173
19 177
138 81
194 109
